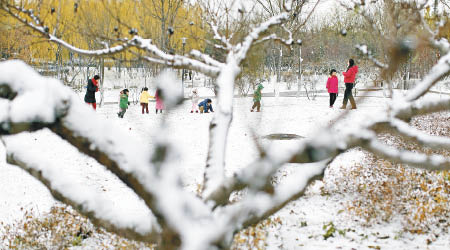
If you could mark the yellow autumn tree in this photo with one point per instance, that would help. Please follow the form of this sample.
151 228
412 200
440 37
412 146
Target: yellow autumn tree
97 24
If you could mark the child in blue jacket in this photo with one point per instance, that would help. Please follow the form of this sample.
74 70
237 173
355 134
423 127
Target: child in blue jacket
205 106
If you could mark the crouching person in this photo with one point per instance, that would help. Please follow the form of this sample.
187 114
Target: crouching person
205 106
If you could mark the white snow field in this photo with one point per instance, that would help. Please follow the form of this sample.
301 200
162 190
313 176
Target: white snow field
299 225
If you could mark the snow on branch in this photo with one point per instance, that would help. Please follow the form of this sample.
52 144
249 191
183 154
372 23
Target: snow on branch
439 70
328 145
81 198
419 160
38 100
402 128
175 61
288 42
366 52
405 111
257 176
257 206
44 31
289 190
220 37
206 58
250 39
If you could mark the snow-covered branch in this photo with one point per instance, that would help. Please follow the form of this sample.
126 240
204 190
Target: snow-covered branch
37 100
220 37
423 161
288 42
258 206
45 32
289 190
206 58
214 173
138 42
405 111
92 206
403 129
250 39
436 73
366 52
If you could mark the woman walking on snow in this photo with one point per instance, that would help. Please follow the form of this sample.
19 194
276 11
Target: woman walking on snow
349 80
257 98
194 99
159 101
332 86
143 99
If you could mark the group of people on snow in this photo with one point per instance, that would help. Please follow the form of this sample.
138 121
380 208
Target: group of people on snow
205 106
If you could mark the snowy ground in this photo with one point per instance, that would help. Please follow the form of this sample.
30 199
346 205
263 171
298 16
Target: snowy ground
301 222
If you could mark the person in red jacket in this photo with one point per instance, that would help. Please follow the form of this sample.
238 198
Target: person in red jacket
332 86
349 80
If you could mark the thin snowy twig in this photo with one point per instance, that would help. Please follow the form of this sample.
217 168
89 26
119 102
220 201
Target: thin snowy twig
285 194
363 12
82 207
365 51
220 37
418 160
249 40
206 58
288 42
420 108
402 128
439 70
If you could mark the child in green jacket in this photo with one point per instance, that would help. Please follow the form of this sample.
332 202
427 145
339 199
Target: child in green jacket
123 105
257 98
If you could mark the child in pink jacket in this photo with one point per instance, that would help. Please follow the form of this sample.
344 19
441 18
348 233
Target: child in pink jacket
332 86
159 101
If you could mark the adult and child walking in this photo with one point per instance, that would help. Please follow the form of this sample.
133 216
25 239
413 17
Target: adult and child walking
349 80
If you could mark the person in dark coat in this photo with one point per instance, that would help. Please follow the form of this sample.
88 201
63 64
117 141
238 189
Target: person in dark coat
92 87
205 106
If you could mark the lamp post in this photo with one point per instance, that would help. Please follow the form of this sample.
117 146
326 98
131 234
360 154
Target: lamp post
183 40
299 77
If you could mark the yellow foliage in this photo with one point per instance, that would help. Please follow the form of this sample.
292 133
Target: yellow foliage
91 24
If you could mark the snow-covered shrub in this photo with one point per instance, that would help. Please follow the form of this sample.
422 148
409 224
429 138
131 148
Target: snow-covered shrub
385 191
61 228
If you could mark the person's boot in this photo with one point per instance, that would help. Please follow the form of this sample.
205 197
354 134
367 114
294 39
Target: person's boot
192 111
353 103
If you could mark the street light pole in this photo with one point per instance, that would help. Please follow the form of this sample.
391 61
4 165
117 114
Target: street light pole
299 77
182 70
